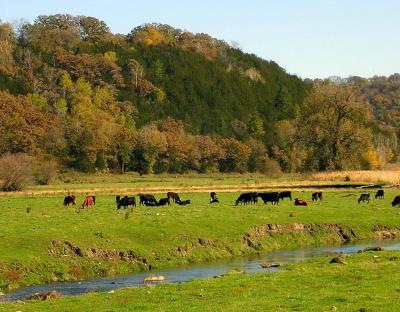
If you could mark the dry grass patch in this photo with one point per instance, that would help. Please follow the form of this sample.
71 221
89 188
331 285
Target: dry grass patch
369 176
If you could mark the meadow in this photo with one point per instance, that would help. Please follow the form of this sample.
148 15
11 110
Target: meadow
42 241
367 282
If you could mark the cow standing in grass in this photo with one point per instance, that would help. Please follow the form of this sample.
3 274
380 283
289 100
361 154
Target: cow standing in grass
89 201
315 196
364 198
70 199
269 197
126 201
396 201
174 196
213 198
380 194
285 194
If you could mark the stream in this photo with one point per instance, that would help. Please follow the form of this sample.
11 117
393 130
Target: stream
186 273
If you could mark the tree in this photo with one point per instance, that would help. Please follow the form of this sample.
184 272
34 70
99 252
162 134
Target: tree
236 155
151 142
332 126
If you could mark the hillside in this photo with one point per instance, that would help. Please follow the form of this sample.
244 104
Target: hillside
158 99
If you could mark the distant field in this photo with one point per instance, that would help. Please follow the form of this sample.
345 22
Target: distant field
168 236
131 183
367 282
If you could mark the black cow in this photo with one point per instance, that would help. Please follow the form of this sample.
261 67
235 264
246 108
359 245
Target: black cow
164 201
269 197
247 198
213 198
380 194
173 196
285 194
364 198
147 200
396 201
126 201
317 195
183 202
69 199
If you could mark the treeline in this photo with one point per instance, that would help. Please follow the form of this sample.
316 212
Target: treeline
164 100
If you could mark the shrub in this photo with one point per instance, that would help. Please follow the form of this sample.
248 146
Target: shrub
268 167
45 171
15 172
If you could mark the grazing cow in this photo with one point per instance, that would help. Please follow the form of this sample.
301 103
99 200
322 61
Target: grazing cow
380 194
396 201
183 202
69 199
272 197
213 198
164 201
89 201
364 198
317 195
247 198
285 194
299 202
117 199
126 201
147 200
174 196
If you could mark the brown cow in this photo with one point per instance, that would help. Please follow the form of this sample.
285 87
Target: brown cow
89 201
299 202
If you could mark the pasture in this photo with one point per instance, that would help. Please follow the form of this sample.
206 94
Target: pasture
367 282
42 241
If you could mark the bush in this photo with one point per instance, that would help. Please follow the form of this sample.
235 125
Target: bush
268 167
45 171
15 172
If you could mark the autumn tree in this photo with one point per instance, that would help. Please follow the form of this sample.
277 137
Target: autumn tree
332 126
236 155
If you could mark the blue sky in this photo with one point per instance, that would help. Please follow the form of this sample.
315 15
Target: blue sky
310 38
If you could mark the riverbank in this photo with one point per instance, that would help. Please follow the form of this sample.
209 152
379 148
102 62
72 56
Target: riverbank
41 241
364 282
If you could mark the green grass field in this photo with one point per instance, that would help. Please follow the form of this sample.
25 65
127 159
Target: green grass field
163 237
367 282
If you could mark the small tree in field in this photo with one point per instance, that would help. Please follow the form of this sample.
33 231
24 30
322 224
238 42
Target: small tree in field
15 172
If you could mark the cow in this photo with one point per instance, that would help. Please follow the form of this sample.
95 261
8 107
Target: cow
213 198
396 201
147 200
285 194
299 202
246 198
69 199
126 201
380 194
315 196
364 198
183 202
174 196
164 201
272 197
89 201
117 199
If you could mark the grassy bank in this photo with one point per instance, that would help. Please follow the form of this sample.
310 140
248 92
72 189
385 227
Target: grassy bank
42 241
367 282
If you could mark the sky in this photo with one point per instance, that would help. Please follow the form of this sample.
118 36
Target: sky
309 38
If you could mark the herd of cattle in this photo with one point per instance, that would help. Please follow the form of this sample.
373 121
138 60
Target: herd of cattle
244 198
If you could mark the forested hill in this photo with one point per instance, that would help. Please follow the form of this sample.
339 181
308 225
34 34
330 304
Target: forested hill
160 99
162 71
